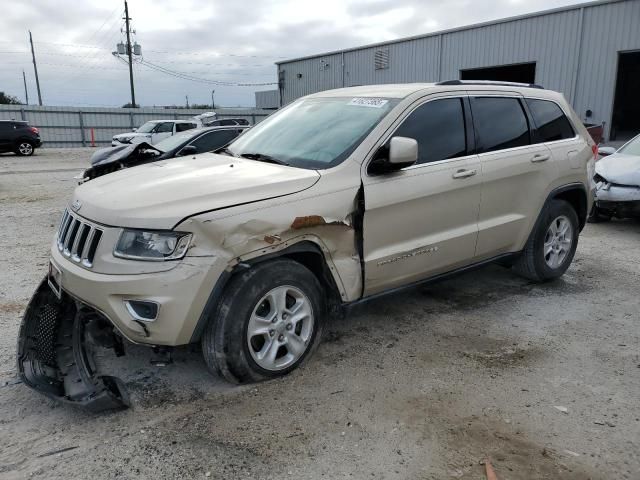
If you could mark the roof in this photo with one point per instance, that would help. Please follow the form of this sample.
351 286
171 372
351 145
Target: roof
541 13
171 120
402 90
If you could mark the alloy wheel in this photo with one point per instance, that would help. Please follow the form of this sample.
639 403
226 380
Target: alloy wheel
558 241
280 328
25 148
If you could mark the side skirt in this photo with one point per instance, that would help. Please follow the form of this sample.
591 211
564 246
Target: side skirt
505 257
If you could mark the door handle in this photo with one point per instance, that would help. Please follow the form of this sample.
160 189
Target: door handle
540 157
464 173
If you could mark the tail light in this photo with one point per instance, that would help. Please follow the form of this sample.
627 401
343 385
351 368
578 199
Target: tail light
594 149
34 130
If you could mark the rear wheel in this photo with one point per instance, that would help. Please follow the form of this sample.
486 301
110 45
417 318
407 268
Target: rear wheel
551 247
267 323
24 149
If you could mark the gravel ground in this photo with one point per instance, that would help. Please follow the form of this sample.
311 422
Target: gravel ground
419 385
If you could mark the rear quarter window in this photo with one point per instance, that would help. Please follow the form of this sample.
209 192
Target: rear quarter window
550 120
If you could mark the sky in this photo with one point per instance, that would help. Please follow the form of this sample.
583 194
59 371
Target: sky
226 46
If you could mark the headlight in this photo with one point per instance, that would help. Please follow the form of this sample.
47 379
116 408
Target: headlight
152 246
123 139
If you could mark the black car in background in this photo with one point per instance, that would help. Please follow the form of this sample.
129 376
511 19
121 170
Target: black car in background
189 142
18 137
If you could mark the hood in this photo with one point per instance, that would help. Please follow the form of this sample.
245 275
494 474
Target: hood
133 134
158 195
620 168
108 155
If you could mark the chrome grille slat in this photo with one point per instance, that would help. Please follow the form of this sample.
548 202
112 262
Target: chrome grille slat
71 235
64 225
78 239
87 243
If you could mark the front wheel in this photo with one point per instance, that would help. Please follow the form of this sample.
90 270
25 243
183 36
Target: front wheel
267 323
552 245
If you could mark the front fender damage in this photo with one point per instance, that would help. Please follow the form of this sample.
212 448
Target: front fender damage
56 347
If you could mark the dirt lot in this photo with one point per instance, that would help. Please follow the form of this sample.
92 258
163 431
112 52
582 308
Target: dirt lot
419 385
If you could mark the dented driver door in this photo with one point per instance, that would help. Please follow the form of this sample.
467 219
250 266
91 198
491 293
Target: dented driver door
423 220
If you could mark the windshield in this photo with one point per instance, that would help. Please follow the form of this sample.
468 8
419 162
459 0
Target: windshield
314 132
631 148
170 143
147 127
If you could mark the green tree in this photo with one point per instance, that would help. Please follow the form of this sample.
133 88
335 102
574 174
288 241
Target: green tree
9 99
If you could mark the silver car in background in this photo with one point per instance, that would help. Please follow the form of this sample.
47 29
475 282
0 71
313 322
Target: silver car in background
617 181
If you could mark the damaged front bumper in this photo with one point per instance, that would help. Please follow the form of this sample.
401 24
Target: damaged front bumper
56 346
622 201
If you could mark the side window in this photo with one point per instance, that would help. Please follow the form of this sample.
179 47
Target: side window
164 127
550 120
214 140
438 127
181 127
500 123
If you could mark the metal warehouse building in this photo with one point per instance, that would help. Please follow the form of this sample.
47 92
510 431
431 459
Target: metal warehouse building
590 52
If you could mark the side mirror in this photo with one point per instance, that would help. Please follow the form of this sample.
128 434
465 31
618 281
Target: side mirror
403 151
188 150
134 129
606 151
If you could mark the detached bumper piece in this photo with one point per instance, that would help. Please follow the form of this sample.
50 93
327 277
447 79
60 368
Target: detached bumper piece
55 352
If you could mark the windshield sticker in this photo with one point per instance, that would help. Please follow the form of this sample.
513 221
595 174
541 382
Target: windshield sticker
368 102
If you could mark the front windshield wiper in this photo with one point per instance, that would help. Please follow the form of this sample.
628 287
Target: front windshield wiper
225 151
261 157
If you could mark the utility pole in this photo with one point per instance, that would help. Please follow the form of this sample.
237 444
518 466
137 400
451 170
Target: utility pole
187 97
26 92
35 68
129 52
213 105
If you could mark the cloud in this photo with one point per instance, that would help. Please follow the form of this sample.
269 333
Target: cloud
226 41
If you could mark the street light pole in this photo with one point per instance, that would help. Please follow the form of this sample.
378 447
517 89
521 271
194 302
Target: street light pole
213 105
35 68
26 92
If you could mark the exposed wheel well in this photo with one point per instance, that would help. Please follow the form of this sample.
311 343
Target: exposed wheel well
306 253
310 255
577 198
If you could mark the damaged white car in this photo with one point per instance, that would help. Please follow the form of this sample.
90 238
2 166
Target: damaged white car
617 181
337 198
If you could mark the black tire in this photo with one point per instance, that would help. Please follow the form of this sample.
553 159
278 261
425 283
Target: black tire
24 148
532 263
597 215
225 347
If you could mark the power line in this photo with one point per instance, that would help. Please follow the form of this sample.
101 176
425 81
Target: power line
216 54
192 78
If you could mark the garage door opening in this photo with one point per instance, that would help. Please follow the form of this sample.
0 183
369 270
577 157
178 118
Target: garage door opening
625 121
521 72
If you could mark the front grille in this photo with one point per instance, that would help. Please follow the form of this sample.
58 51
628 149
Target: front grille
77 239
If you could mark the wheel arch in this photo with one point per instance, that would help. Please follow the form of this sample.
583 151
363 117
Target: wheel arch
304 252
576 196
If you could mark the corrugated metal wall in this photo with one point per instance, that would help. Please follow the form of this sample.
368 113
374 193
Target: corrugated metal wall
71 126
268 99
608 30
575 51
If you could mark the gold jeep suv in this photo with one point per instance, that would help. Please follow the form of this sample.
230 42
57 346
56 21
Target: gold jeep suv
341 196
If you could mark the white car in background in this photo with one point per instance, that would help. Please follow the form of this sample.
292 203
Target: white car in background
617 182
154 131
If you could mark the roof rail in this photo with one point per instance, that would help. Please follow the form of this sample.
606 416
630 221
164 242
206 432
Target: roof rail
489 82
